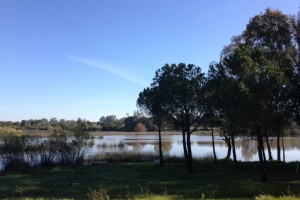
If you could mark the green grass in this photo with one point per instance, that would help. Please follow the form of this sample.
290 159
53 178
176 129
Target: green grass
148 181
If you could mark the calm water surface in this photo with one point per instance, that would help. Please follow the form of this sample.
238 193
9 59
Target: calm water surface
246 149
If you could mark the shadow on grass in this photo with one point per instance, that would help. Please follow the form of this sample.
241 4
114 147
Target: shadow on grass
139 180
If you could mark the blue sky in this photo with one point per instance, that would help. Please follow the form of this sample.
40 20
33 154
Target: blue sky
91 58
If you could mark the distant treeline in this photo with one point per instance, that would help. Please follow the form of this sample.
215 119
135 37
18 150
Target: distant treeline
135 123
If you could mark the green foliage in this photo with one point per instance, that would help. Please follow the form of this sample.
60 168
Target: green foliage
110 123
260 61
130 122
71 144
13 149
22 152
176 95
179 92
45 125
7 131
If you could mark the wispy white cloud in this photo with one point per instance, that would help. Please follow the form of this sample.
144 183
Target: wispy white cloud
109 101
22 107
112 69
30 107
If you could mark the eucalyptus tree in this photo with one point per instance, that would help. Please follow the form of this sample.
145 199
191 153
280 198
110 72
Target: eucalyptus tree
181 94
295 94
270 35
295 80
259 60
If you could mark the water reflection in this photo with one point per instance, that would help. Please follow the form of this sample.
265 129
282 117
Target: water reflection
166 147
246 148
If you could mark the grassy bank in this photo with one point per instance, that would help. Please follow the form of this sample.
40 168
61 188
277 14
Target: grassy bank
212 181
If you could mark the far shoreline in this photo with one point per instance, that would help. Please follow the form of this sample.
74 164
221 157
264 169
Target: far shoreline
105 133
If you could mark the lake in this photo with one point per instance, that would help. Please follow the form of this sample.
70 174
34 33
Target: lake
246 149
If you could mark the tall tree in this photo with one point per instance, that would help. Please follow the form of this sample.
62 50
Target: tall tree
270 35
150 102
295 80
182 100
260 61
227 100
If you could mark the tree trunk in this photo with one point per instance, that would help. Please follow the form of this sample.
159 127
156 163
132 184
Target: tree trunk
161 161
213 143
260 144
233 150
184 147
278 147
264 153
190 157
228 143
283 149
269 148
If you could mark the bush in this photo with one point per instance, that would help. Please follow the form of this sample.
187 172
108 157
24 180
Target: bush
71 145
48 150
140 127
64 147
13 149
